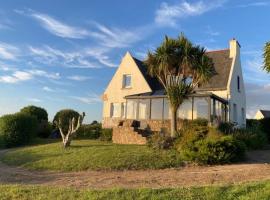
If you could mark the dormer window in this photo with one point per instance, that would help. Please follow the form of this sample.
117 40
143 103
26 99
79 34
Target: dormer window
127 81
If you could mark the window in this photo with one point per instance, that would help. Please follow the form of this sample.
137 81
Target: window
156 108
201 108
115 110
131 109
185 110
123 110
238 83
234 112
127 81
144 108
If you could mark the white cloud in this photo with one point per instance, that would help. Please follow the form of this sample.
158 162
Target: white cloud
118 38
20 76
41 73
48 89
17 76
8 52
89 99
167 15
34 100
59 28
79 78
211 32
85 58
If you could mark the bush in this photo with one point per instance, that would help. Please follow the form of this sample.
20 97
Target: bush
45 129
40 113
106 134
17 129
65 115
226 127
265 127
160 141
253 138
226 149
89 131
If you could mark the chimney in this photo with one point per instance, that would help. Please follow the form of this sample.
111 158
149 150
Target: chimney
234 48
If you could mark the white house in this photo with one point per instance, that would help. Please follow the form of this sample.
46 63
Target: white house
133 94
261 114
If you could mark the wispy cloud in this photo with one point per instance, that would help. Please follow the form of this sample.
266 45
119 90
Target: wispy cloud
8 52
111 37
55 26
48 89
86 58
167 15
79 78
211 32
16 77
89 99
34 100
254 4
26 75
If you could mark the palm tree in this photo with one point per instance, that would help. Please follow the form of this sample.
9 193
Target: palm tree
180 67
266 56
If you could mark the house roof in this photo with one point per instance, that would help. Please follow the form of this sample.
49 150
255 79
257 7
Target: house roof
162 94
266 113
222 64
153 83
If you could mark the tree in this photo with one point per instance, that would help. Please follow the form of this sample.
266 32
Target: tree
68 122
266 57
40 113
180 67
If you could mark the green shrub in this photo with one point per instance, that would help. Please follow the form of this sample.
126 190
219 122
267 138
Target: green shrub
65 115
17 129
106 134
253 138
226 127
89 131
40 113
160 141
44 129
265 127
226 149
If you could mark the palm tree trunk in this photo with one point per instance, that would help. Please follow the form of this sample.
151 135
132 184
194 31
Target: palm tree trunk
173 122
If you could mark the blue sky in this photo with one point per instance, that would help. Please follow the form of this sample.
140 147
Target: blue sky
62 54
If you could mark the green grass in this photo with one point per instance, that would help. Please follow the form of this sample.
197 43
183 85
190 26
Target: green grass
253 191
90 154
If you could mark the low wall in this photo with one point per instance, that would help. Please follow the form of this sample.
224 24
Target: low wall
127 135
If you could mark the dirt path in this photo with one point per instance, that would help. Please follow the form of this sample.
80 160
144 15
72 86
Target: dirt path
255 169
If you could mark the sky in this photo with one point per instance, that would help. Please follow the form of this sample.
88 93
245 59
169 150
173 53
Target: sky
62 54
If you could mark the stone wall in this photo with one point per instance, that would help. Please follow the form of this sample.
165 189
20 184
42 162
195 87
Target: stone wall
152 125
127 135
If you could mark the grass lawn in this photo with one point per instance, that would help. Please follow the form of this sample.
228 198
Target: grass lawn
254 191
90 154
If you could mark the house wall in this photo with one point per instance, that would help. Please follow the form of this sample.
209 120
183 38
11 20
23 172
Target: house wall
259 115
115 92
235 96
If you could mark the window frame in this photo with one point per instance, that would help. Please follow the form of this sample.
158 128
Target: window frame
124 81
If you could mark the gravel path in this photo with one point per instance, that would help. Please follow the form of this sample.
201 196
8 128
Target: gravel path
255 169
